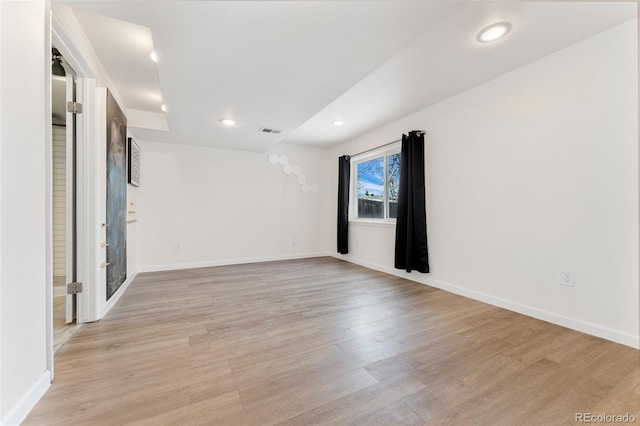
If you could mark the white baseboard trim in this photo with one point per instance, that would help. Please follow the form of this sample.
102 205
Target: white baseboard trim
627 339
227 262
114 299
21 410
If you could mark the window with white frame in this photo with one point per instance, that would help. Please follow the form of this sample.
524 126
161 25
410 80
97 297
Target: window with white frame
375 184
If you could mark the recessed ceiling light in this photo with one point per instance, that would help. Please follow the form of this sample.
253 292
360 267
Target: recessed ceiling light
153 56
163 108
228 122
338 123
494 32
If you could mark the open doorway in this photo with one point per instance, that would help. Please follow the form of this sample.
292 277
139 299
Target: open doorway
63 88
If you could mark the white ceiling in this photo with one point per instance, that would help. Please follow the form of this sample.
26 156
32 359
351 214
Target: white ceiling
297 66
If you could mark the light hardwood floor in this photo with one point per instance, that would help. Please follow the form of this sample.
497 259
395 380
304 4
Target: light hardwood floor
321 341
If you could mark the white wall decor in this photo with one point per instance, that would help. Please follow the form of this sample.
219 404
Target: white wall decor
289 170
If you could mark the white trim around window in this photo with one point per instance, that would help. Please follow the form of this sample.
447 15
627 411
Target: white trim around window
380 193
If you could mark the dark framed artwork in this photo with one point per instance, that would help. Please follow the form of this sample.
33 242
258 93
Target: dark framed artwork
116 196
134 163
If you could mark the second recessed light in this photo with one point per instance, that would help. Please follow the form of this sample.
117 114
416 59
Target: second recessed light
228 122
494 32
338 123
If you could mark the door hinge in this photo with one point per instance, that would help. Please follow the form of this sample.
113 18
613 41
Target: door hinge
74 288
74 107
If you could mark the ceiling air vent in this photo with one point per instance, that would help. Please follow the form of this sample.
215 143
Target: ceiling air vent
266 130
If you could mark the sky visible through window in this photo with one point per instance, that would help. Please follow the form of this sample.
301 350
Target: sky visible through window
371 178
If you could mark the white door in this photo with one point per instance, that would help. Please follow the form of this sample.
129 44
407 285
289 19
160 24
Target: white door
71 252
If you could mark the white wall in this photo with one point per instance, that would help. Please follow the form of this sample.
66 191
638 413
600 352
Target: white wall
23 190
527 175
132 231
224 206
2 37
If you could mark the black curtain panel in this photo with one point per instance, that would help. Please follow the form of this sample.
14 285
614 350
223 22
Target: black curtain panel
344 170
411 225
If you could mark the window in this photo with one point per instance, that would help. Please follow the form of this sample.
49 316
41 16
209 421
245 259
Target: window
376 184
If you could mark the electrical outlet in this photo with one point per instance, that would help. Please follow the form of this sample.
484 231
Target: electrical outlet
293 242
567 279
176 246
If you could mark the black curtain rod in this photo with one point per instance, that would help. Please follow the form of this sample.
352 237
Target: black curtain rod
420 132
